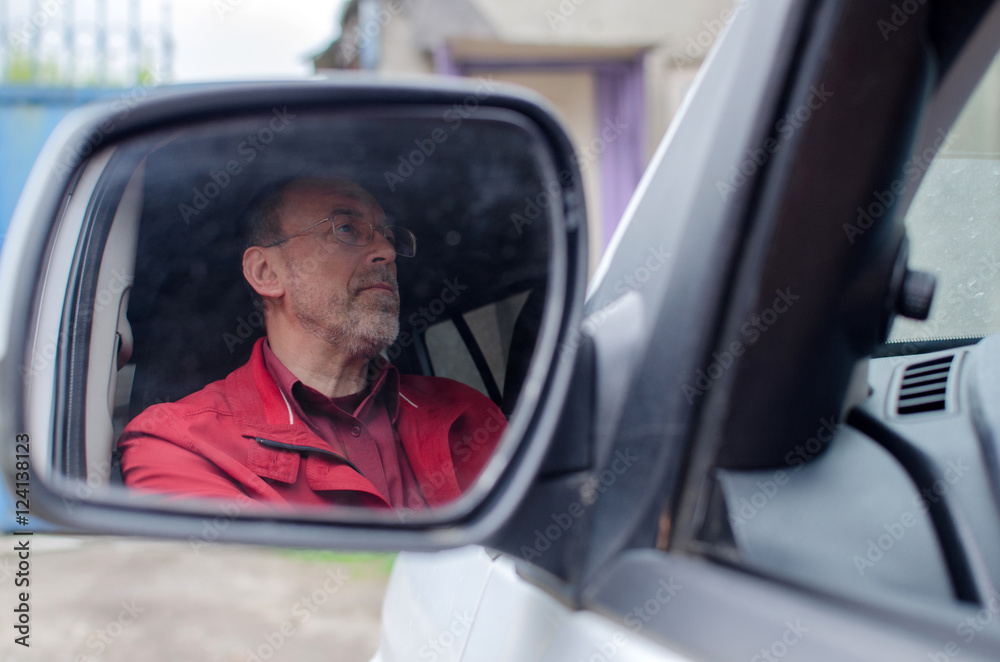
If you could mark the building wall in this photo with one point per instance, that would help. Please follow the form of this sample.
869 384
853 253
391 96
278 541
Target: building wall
671 38
601 22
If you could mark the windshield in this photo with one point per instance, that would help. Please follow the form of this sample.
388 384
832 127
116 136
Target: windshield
954 223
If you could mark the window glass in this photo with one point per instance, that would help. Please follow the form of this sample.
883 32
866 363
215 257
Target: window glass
492 326
451 357
954 223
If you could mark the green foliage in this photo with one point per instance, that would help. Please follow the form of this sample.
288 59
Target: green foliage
20 69
27 69
359 563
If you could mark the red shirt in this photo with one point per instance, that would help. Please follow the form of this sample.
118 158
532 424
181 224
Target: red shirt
359 427
241 437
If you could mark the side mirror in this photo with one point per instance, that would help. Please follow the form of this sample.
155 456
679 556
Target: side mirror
127 291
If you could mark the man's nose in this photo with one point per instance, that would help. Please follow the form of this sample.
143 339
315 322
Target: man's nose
381 249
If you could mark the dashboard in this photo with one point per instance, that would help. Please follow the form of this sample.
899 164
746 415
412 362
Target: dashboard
898 497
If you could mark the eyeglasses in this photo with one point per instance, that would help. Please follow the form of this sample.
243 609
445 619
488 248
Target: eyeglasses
354 231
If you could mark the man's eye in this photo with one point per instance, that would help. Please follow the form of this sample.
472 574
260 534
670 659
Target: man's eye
345 228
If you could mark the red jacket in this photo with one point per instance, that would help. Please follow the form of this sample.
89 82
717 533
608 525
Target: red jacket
238 436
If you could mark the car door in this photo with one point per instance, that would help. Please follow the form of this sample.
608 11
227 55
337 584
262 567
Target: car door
746 293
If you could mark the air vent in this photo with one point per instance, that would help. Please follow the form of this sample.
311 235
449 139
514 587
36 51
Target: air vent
923 386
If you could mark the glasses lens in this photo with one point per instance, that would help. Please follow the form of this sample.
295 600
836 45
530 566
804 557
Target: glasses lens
403 241
351 230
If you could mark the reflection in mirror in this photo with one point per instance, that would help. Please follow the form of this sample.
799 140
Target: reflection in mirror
298 310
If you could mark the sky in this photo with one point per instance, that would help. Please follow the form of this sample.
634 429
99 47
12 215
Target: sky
249 39
213 39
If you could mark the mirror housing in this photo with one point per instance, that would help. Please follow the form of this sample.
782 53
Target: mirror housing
49 294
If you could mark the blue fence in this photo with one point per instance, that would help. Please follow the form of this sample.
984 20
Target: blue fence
27 117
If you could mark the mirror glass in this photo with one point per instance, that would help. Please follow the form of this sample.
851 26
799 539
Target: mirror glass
318 312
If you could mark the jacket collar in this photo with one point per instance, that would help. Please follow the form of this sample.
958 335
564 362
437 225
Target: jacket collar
262 411
383 378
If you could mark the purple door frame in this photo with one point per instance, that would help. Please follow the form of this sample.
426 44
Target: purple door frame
619 135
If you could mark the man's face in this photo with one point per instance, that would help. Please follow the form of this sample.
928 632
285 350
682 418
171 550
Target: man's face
346 295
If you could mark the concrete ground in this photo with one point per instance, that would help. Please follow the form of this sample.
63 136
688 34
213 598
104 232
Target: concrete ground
122 600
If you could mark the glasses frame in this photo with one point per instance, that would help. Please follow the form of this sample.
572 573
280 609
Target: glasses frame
395 228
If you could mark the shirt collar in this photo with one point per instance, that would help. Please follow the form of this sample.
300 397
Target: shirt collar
384 381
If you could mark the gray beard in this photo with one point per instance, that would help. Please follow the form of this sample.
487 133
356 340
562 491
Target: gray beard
361 331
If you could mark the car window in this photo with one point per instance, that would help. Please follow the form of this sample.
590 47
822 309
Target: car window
489 337
954 222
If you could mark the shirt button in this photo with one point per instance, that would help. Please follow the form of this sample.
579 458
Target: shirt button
356 431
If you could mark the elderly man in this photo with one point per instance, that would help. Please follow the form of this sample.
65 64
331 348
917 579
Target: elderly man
317 416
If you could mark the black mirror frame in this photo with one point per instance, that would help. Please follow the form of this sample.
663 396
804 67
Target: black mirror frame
101 125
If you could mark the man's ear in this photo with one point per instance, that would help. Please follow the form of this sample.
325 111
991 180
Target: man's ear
260 272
